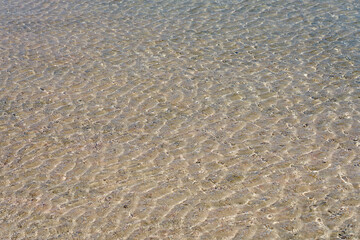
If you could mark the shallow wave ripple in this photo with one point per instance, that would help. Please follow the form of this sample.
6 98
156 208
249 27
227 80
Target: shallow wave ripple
179 119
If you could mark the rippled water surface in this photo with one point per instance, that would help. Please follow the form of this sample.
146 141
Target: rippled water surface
179 119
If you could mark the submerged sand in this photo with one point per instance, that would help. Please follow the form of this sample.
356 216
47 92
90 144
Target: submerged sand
179 119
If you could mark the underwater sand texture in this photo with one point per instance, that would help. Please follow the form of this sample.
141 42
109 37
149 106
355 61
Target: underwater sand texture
179 119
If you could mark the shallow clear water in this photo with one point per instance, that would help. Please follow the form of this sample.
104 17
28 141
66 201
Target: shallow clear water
179 119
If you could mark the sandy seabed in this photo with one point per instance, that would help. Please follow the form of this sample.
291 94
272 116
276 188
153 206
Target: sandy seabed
179 119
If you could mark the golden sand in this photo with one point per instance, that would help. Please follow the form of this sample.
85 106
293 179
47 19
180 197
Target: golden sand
179 119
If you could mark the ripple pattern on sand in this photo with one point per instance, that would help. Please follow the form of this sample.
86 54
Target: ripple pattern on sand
179 119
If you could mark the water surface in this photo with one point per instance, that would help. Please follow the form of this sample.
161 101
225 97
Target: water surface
179 119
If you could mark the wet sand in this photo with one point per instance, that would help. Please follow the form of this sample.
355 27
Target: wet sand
179 119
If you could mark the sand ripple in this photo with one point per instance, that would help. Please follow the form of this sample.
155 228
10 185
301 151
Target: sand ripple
179 119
